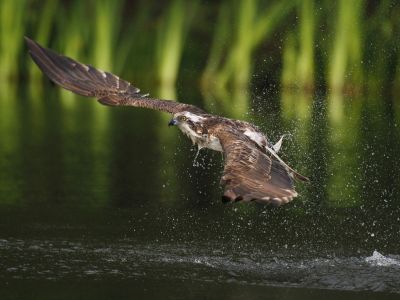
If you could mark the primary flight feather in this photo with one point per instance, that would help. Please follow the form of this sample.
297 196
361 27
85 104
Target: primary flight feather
252 171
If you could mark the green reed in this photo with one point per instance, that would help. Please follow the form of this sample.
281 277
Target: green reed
242 27
250 28
346 55
134 53
221 37
305 65
13 17
106 27
43 28
170 42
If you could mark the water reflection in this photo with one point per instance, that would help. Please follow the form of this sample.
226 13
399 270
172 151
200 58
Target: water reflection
127 260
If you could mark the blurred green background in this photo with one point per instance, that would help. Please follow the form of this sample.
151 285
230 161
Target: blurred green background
326 72
348 47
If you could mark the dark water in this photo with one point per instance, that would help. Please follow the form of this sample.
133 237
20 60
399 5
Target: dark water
100 203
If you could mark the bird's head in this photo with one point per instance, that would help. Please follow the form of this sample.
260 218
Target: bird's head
186 118
188 122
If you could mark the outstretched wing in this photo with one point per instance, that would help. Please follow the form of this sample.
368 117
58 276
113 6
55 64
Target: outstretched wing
88 81
249 174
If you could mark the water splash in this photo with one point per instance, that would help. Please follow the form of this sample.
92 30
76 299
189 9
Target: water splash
196 163
377 259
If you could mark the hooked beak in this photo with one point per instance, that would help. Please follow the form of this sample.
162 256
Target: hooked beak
172 122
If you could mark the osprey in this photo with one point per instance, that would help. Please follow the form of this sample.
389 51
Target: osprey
252 172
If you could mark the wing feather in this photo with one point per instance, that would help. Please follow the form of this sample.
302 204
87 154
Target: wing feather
88 81
250 174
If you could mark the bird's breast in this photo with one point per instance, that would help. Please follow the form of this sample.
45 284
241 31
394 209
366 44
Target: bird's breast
202 139
208 141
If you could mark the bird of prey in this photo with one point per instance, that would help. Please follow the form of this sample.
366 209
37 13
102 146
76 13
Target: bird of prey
253 171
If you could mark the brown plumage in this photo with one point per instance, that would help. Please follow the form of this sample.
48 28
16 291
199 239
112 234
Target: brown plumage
251 174
88 81
253 170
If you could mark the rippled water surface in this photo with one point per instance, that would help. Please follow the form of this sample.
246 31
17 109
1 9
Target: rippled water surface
183 266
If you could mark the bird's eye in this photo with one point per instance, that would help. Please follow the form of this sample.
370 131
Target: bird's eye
183 118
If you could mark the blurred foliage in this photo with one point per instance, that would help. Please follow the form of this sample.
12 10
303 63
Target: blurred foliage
344 46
